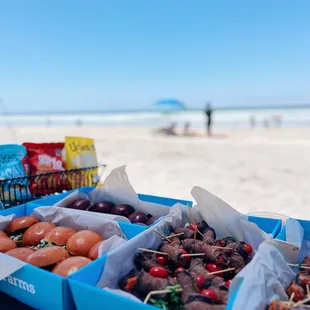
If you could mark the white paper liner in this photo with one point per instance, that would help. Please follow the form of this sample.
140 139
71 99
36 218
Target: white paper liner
120 262
118 190
109 230
267 276
263 280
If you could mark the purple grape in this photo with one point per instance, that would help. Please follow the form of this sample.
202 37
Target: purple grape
124 210
79 204
102 207
138 217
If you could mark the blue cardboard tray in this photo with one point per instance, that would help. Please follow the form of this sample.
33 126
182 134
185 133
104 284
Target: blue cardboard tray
83 282
306 226
41 289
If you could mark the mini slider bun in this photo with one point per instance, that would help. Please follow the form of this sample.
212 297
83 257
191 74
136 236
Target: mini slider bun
34 234
3 234
47 256
6 244
20 253
80 243
94 251
70 265
59 235
21 223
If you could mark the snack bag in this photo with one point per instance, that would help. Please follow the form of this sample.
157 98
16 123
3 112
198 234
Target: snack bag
81 153
11 167
43 160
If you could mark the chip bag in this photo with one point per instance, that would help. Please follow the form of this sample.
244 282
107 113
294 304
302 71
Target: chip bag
81 153
12 190
44 162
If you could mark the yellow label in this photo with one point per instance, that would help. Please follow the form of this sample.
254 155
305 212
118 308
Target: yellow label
81 153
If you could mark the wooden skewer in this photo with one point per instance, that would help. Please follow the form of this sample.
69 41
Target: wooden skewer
164 237
193 220
221 271
300 266
291 299
158 293
175 235
153 251
221 247
308 291
193 254
297 304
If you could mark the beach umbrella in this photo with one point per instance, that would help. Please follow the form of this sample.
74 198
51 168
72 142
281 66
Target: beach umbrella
170 105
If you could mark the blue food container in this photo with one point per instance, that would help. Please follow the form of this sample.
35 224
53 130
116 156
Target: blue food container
306 226
83 283
41 289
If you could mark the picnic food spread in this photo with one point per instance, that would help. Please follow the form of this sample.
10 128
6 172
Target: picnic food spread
190 268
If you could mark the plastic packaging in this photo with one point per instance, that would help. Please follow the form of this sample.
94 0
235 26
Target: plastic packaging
11 166
80 153
44 158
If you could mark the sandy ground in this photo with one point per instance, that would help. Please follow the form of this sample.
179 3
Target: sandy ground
256 170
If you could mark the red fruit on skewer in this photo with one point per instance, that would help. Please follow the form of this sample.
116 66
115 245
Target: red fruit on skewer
209 293
193 227
159 272
227 283
179 269
161 260
248 248
185 259
200 280
213 268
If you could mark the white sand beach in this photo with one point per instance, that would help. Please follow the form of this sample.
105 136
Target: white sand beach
259 170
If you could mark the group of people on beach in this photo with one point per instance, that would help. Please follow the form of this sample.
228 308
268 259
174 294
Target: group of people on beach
171 130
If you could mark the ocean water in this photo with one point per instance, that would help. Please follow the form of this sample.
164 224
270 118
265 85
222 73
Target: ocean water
222 118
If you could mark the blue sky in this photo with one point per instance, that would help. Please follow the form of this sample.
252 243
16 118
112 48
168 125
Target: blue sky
125 54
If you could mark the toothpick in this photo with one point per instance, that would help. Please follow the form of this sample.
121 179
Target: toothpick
153 251
191 215
291 299
221 271
175 235
299 265
221 247
308 291
164 237
193 254
159 292
301 302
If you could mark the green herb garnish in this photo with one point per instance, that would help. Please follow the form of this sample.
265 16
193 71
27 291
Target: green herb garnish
174 301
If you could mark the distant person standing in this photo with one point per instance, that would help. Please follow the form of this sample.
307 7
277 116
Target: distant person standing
209 112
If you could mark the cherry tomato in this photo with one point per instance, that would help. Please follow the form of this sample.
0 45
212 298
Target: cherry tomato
209 293
248 248
222 242
162 260
158 272
184 260
200 280
193 227
213 268
227 283
222 259
179 269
